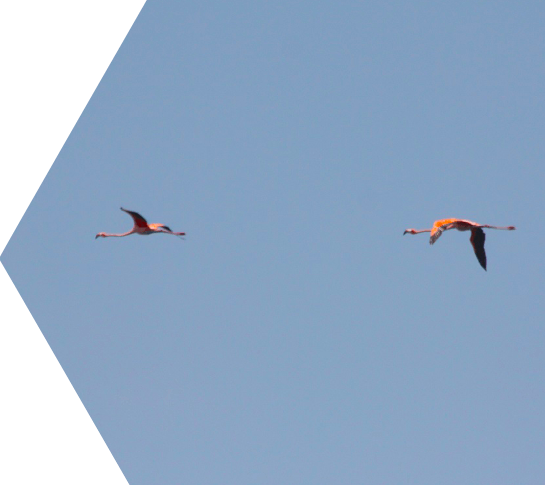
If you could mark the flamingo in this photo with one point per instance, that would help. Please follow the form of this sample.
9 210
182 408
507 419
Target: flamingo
142 227
477 234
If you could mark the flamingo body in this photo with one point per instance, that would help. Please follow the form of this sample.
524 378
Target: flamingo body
142 227
477 234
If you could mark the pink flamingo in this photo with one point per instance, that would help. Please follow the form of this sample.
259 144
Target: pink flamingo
142 227
477 234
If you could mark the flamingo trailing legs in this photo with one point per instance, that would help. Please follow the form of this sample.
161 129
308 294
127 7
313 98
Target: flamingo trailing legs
477 234
142 227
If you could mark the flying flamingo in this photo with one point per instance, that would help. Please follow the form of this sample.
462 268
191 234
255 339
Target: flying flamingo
477 234
142 227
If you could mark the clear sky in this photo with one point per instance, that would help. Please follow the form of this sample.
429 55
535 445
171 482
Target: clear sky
296 336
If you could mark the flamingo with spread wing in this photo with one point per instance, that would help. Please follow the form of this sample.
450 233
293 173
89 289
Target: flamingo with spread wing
142 227
477 234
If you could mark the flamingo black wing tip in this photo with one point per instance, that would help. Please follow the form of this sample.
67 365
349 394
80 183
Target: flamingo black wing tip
477 240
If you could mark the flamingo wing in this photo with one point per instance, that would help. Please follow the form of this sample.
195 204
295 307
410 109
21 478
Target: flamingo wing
477 241
159 227
166 230
436 233
138 219
440 226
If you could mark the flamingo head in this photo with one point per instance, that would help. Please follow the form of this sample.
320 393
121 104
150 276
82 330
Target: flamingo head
410 231
100 234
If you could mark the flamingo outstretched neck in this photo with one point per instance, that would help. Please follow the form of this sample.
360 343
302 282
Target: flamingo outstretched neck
142 227
477 234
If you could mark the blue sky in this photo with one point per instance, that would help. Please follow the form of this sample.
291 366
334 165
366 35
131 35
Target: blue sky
296 336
